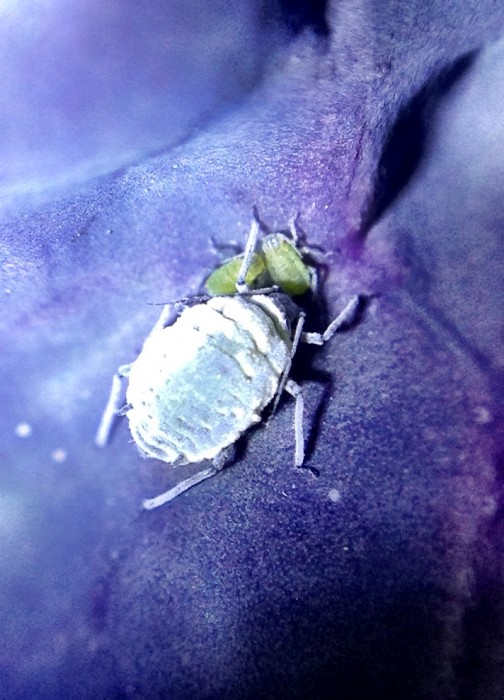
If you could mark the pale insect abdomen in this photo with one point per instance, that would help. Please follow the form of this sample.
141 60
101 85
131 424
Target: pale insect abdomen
199 384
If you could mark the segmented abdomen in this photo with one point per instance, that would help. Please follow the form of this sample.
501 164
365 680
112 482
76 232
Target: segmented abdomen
199 384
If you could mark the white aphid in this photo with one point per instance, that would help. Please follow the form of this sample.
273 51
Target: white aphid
199 384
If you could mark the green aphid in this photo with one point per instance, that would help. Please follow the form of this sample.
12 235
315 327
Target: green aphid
285 265
274 261
223 279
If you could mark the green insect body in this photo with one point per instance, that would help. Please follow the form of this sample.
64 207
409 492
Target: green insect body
285 265
223 279
277 262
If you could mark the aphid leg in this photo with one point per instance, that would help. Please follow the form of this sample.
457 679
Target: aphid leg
219 463
345 318
241 285
115 404
305 251
314 280
150 503
298 333
296 391
113 408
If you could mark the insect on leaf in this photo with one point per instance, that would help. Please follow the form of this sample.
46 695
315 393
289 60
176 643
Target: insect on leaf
285 265
223 279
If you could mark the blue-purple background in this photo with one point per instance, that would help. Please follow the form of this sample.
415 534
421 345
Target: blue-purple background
131 134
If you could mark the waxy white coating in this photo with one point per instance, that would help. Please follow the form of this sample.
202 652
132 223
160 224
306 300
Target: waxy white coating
199 384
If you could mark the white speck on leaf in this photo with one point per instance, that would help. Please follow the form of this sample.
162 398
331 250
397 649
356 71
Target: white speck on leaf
334 495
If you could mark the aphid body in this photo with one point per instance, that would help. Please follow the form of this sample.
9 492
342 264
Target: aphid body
275 260
200 383
223 279
285 265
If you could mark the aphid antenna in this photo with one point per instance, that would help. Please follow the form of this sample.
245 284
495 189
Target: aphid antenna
219 246
264 290
293 228
184 301
260 222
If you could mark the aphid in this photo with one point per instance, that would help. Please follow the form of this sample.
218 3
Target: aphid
200 383
223 279
275 260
